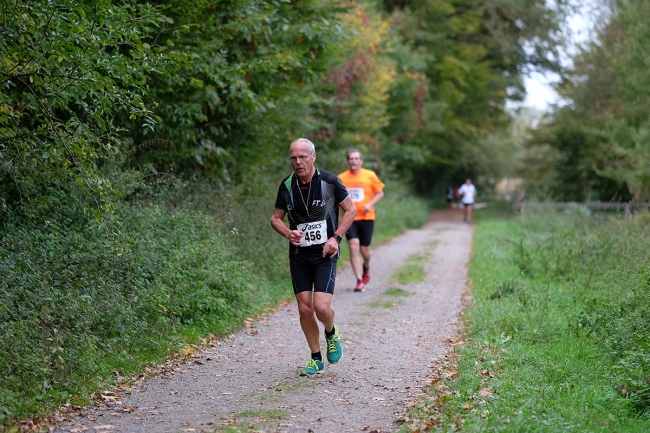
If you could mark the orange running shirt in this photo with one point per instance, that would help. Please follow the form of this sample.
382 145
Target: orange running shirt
362 188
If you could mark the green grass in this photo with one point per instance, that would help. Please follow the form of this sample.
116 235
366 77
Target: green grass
412 271
408 274
262 420
557 332
265 414
383 303
396 291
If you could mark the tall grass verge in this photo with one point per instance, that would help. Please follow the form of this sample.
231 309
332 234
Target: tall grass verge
557 336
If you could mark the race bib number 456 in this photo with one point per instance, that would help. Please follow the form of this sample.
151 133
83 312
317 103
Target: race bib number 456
313 233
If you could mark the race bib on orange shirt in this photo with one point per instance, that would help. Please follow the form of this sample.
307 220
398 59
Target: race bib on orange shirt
362 188
356 194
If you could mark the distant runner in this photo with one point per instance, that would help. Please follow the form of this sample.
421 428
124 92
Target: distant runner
311 198
450 195
366 190
467 191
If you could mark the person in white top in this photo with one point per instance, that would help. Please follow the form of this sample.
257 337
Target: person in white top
467 191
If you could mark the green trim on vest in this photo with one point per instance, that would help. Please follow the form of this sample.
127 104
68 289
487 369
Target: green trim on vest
289 180
287 183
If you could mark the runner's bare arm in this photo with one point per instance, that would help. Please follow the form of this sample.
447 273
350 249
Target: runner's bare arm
349 212
331 247
374 201
277 222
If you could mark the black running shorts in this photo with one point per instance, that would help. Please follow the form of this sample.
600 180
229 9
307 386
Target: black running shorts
312 270
362 230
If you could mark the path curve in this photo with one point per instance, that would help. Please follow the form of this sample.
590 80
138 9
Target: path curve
250 380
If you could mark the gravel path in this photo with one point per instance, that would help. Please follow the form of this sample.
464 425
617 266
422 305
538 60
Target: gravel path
249 382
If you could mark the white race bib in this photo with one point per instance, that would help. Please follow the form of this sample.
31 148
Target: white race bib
356 194
314 233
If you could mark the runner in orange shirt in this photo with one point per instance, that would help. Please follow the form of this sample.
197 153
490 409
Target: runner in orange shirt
366 190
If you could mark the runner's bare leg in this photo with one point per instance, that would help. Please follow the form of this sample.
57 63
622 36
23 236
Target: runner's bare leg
310 306
354 258
365 253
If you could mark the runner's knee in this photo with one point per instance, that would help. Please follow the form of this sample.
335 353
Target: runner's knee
323 312
305 309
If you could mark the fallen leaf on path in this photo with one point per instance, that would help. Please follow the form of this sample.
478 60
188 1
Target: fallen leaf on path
104 427
486 392
451 373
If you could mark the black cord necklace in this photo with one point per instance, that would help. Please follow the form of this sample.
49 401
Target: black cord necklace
308 194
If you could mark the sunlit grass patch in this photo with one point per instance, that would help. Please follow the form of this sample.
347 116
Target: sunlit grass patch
264 414
396 291
420 259
384 303
288 385
408 274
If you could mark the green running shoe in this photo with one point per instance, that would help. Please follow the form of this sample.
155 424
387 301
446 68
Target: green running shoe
334 348
313 367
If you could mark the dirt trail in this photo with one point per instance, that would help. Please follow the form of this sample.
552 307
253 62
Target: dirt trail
250 382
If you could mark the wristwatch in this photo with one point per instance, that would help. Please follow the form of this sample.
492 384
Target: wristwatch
337 237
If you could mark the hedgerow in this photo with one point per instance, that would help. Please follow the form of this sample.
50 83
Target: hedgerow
74 297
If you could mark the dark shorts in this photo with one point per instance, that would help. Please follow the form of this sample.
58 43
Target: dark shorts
310 270
468 204
362 230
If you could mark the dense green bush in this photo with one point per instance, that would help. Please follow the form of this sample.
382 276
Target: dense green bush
71 298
